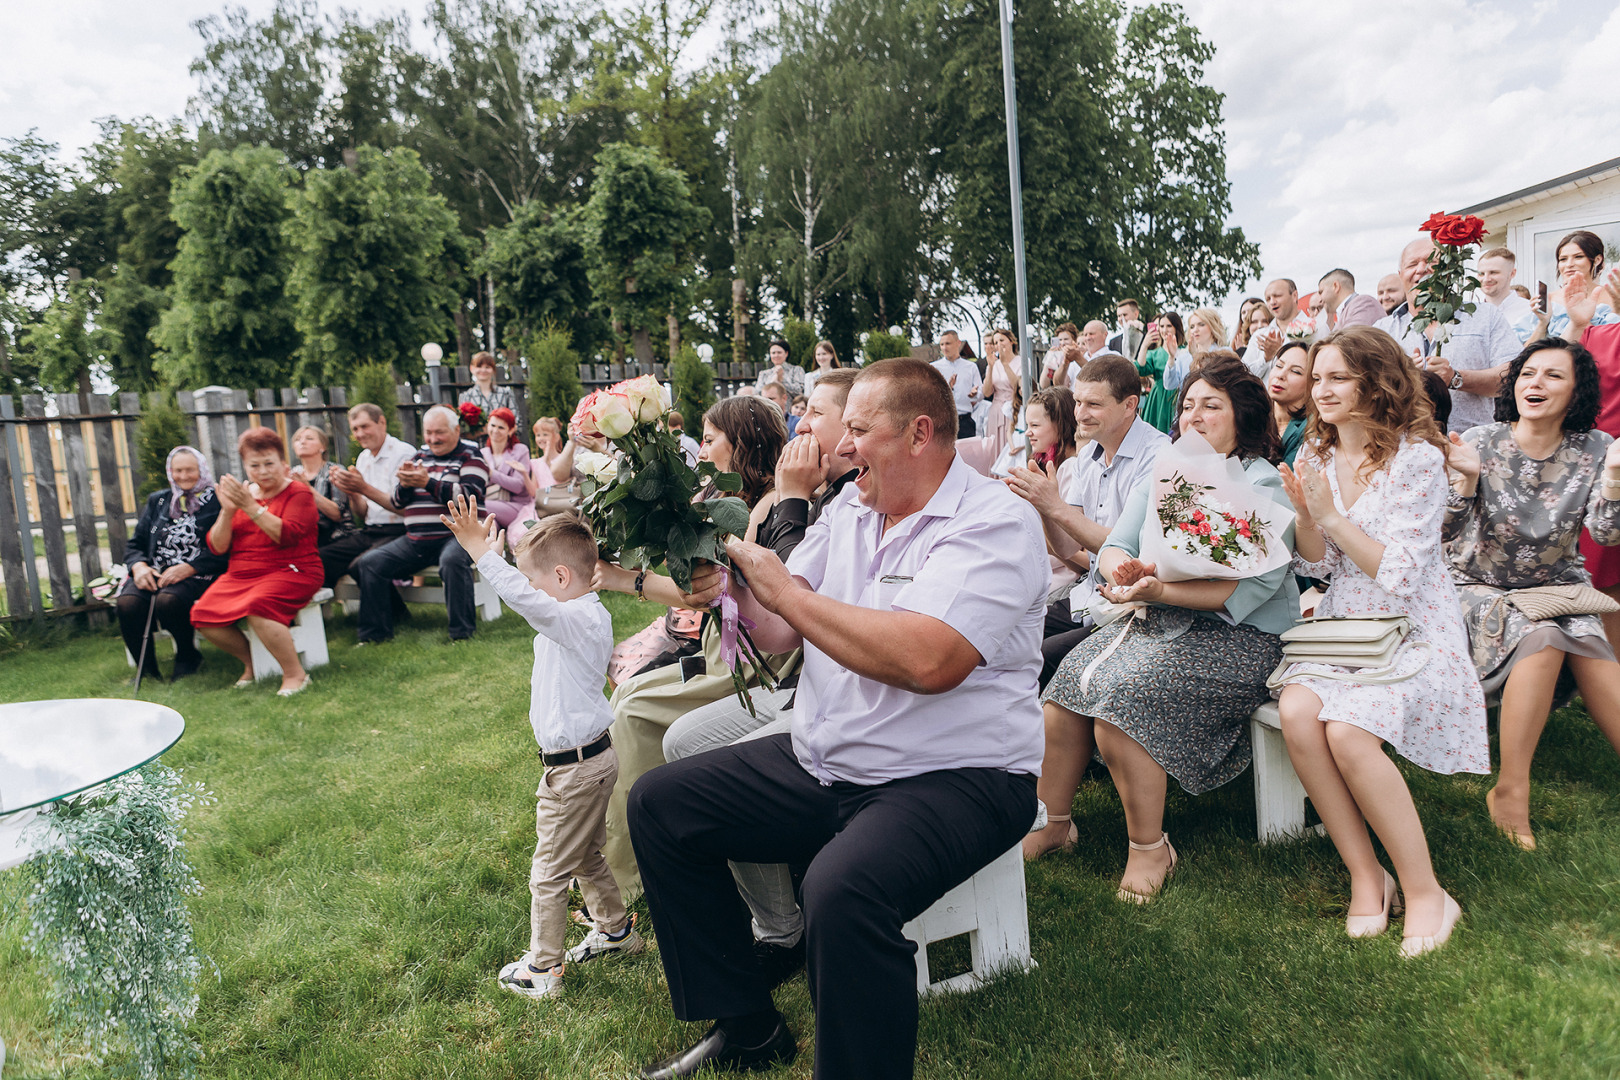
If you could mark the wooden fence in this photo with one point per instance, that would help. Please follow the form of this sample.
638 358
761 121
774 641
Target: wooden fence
70 478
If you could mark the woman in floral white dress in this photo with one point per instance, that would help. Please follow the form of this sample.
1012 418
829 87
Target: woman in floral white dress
1524 488
1370 492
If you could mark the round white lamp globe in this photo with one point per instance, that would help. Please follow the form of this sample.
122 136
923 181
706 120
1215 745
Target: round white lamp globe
705 352
432 353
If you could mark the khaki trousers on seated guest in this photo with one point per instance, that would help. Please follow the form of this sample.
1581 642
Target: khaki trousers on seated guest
643 709
570 827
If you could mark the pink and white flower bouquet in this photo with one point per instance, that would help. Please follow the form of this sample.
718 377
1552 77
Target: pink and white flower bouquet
642 509
1206 520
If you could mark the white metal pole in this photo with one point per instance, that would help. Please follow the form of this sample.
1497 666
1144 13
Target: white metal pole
1015 178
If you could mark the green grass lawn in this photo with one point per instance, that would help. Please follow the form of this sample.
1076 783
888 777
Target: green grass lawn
365 872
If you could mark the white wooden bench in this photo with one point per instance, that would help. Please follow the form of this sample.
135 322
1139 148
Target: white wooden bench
991 907
485 598
1279 797
308 634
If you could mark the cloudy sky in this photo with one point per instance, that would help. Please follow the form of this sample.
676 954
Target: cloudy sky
1347 123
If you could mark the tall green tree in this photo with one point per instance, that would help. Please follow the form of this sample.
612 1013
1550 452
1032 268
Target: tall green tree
370 278
307 84
150 157
834 150
640 225
231 320
539 260
1177 246
1065 60
263 82
63 345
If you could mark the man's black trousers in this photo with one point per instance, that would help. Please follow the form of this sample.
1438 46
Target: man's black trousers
876 857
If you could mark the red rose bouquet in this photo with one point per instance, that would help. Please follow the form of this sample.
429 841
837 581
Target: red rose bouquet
1440 295
472 417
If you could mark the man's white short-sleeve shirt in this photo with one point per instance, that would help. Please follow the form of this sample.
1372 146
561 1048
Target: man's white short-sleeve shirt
975 558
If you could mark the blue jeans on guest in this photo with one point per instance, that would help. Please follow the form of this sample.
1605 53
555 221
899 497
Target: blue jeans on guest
377 569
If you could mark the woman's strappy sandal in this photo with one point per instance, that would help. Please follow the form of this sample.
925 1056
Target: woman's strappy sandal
1068 842
1131 896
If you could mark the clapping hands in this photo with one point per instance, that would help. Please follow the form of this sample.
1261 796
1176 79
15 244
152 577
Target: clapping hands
1308 489
1463 459
1038 488
233 493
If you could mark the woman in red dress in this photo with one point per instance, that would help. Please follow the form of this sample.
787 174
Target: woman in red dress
274 567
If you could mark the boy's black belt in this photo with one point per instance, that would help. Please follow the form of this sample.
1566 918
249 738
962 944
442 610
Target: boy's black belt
578 753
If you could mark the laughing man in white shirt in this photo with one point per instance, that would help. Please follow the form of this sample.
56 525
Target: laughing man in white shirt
918 597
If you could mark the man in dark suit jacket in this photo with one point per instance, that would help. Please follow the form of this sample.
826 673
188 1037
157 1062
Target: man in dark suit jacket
1129 336
1342 305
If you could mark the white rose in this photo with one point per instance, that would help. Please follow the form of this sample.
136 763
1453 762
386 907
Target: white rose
603 468
612 416
646 398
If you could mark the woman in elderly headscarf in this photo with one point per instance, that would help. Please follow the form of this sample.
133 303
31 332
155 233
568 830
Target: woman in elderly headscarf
169 565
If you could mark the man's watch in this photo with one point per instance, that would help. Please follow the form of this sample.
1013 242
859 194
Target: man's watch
1456 380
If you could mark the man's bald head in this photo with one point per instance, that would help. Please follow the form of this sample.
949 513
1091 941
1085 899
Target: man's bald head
1094 337
1415 258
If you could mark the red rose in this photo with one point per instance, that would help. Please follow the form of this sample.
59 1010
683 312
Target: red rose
1454 230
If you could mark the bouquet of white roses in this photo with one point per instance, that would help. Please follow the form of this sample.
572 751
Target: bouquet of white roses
643 513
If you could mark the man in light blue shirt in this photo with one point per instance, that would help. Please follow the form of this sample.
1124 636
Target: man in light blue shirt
1077 520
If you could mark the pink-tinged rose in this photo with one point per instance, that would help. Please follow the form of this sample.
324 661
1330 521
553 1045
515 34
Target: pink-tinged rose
582 422
646 397
612 416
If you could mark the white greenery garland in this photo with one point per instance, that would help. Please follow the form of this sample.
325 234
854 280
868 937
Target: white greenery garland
107 919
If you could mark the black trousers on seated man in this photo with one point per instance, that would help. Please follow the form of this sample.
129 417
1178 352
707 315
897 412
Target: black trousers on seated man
1059 638
376 570
878 857
337 556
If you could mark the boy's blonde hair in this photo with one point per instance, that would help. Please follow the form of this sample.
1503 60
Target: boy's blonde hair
562 539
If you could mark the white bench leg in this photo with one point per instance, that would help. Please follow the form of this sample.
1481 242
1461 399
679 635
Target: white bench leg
309 636
487 599
991 907
308 632
1279 797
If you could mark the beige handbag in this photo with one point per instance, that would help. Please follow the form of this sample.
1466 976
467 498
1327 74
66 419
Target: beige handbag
557 499
1555 601
1369 644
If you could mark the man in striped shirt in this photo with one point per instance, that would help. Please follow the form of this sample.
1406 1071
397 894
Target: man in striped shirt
444 468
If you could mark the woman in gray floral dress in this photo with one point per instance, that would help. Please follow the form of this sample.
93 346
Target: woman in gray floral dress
1523 489
1169 693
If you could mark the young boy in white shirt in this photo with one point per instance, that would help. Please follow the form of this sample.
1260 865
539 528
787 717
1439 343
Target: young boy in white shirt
551 588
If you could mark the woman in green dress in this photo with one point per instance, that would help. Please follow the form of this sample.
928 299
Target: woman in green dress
1161 350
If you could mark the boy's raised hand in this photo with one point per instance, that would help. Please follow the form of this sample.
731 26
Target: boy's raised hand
476 536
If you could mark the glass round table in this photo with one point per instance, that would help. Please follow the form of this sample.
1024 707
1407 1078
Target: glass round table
50 750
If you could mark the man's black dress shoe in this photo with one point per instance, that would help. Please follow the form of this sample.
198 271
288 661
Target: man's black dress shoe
778 963
716 1051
